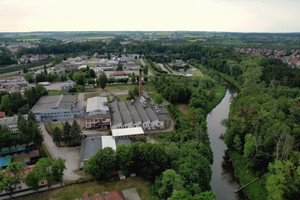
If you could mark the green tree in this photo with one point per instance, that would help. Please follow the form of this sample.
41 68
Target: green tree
29 77
101 165
124 158
57 136
11 176
158 98
119 67
32 180
207 195
181 195
283 180
43 169
6 103
102 80
75 134
133 77
66 133
168 183
92 73
58 168
136 91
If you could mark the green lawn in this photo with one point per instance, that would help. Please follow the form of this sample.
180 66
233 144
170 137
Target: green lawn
77 190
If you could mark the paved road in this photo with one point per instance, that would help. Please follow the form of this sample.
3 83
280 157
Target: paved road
70 154
163 67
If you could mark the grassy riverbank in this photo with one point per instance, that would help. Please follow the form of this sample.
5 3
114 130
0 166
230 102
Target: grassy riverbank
254 191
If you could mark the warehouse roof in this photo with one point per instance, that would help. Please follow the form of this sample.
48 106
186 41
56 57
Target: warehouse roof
127 132
90 146
116 116
97 104
63 101
124 112
134 114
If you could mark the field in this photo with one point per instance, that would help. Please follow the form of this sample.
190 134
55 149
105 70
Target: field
77 190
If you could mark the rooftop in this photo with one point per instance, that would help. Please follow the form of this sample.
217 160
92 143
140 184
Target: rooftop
127 132
90 146
109 141
63 101
97 104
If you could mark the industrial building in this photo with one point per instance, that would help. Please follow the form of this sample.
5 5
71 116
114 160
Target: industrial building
138 113
97 113
56 107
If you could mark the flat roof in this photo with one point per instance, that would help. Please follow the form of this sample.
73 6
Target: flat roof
127 131
97 104
90 146
54 102
109 141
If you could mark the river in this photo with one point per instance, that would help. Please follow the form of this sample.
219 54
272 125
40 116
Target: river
222 181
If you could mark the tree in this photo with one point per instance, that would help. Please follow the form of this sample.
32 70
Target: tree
168 183
29 77
57 136
283 180
101 165
66 133
133 77
42 169
92 73
75 134
136 91
58 168
12 175
119 67
207 195
79 78
158 98
102 80
5 103
125 158
181 195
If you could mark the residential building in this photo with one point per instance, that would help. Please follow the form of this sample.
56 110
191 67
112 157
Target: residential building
67 85
56 107
11 123
97 113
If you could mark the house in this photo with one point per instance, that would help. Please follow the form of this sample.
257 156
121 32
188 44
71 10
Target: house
56 107
97 113
67 85
44 83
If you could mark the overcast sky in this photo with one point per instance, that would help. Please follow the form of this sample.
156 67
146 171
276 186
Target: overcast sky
150 15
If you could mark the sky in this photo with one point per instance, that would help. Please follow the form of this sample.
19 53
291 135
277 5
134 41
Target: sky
150 15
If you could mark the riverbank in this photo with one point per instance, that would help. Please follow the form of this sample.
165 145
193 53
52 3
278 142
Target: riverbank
254 191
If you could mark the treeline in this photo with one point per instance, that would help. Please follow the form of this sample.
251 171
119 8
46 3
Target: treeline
5 59
65 48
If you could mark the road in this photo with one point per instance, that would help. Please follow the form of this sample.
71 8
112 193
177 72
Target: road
70 154
149 70
163 67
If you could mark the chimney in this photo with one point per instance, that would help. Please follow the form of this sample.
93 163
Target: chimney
140 82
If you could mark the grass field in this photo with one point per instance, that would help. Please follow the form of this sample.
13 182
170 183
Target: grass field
77 190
